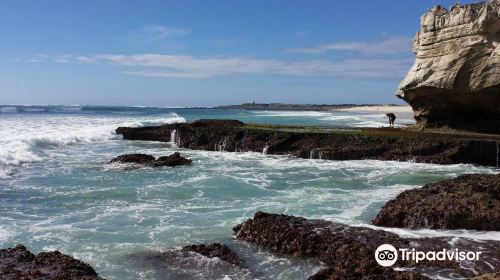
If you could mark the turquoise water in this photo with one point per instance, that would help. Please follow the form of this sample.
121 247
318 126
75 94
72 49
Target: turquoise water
56 192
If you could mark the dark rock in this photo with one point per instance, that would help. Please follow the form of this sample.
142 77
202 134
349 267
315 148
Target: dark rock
489 276
19 263
134 158
215 250
330 144
174 159
216 123
467 202
348 252
214 261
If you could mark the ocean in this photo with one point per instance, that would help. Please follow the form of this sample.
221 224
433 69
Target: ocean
58 193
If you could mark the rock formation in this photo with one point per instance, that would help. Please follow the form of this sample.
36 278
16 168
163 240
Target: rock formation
323 143
19 263
348 252
455 81
174 159
134 158
215 250
200 261
467 202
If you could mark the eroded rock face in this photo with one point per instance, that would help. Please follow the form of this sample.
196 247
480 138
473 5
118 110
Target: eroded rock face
467 202
455 80
19 263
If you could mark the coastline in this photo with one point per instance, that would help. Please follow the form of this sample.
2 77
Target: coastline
379 109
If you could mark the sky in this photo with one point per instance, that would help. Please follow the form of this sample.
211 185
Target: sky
205 52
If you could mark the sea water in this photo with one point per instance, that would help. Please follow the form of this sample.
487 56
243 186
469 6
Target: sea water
58 193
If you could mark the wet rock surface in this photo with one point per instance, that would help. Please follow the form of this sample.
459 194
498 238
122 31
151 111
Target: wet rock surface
348 252
200 261
174 159
19 263
324 143
215 250
466 202
455 79
489 276
216 123
134 158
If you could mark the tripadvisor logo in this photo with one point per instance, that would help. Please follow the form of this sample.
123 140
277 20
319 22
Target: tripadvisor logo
387 255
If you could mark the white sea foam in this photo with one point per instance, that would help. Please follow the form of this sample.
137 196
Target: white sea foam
338 118
5 234
8 110
24 139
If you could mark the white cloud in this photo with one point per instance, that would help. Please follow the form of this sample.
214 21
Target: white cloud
184 66
301 34
156 33
390 45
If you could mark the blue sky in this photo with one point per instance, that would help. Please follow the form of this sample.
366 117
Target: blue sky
205 52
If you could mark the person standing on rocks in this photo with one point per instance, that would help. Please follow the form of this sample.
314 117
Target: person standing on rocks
392 118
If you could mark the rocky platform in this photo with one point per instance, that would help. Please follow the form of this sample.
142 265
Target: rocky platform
174 159
324 143
348 252
455 79
19 263
466 202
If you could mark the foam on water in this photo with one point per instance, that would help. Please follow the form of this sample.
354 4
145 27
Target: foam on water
58 193
26 139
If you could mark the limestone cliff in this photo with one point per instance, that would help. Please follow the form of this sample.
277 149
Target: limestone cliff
455 80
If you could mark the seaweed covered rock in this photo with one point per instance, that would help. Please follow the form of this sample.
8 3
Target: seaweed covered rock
134 158
347 251
19 263
216 123
466 202
215 250
174 159
455 79
324 143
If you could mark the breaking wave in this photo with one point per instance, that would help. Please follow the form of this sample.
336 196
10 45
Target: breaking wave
24 140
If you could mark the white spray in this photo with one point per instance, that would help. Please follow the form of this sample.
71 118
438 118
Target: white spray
264 151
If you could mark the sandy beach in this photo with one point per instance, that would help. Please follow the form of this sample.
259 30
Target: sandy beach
382 109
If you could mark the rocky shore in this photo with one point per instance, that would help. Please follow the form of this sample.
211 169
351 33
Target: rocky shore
348 252
19 263
467 202
324 143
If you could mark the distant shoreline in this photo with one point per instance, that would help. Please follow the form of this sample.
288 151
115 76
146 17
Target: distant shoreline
317 107
251 106
379 108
